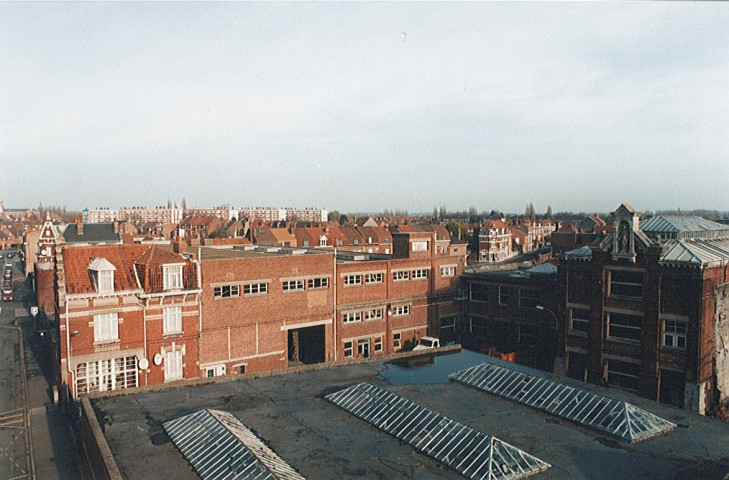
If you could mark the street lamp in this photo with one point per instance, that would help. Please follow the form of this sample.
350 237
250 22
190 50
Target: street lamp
556 322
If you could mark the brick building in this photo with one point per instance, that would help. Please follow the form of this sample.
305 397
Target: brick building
514 311
494 242
128 315
646 309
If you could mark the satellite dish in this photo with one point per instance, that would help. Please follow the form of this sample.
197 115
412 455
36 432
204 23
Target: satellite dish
157 359
143 364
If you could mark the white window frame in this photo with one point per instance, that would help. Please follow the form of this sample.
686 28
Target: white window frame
104 375
377 344
420 274
226 291
361 343
105 281
172 320
173 368
374 314
373 278
420 246
352 280
448 271
252 289
674 334
317 283
397 340
400 275
400 310
351 317
348 349
172 277
106 327
293 285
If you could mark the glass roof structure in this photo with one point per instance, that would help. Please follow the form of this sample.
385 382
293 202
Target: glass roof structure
471 453
219 447
615 417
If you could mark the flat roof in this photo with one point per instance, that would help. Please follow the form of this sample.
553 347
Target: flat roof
251 251
290 414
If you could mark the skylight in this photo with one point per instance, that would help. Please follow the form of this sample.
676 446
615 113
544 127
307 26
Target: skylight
219 447
471 453
615 417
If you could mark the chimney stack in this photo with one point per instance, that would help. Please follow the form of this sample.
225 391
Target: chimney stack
80 227
116 226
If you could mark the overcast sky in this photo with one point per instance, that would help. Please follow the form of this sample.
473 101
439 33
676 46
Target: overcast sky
365 106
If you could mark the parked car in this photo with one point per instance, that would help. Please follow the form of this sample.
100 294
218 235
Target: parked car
7 294
426 343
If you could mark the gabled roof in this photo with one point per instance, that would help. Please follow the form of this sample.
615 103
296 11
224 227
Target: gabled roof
696 252
379 235
494 224
100 265
92 233
674 224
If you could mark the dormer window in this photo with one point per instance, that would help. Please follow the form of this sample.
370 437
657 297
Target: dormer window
172 277
102 272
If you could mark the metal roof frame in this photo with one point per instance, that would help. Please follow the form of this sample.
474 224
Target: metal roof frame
469 452
616 417
220 447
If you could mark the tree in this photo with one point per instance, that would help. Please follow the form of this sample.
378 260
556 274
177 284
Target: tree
549 212
184 203
334 216
442 213
435 213
342 219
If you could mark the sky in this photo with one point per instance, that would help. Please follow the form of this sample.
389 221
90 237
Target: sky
361 107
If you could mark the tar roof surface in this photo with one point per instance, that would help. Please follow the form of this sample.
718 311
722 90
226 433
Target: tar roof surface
228 253
321 441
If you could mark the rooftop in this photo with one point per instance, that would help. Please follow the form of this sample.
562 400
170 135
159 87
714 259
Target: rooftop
250 251
290 414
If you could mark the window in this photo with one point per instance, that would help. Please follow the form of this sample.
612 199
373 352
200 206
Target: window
401 310
371 278
503 295
352 317
420 273
623 374
322 241
623 326
448 328
397 340
478 325
173 365
375 314
400 276
353 279
306 243
225 291
106 281
448 271
319 282
626 283
293 285
479 292
255 289
348 350
172 320
579 320
172 277
420 246
363 347
216 371
104 375
674 334
106 327
378 344
528 298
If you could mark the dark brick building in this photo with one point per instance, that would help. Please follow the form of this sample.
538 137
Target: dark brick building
645 309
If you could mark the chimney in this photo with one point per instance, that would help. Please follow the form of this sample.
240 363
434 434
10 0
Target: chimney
80 227
116 226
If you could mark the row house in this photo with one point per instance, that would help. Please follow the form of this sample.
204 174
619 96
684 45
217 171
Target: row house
494 242
128 316
514 311
200 226
265 235
646 309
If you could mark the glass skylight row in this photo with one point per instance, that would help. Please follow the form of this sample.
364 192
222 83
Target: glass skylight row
219 447
471 453
602 413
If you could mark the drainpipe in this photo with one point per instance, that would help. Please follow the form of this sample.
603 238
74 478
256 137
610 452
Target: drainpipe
334 318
